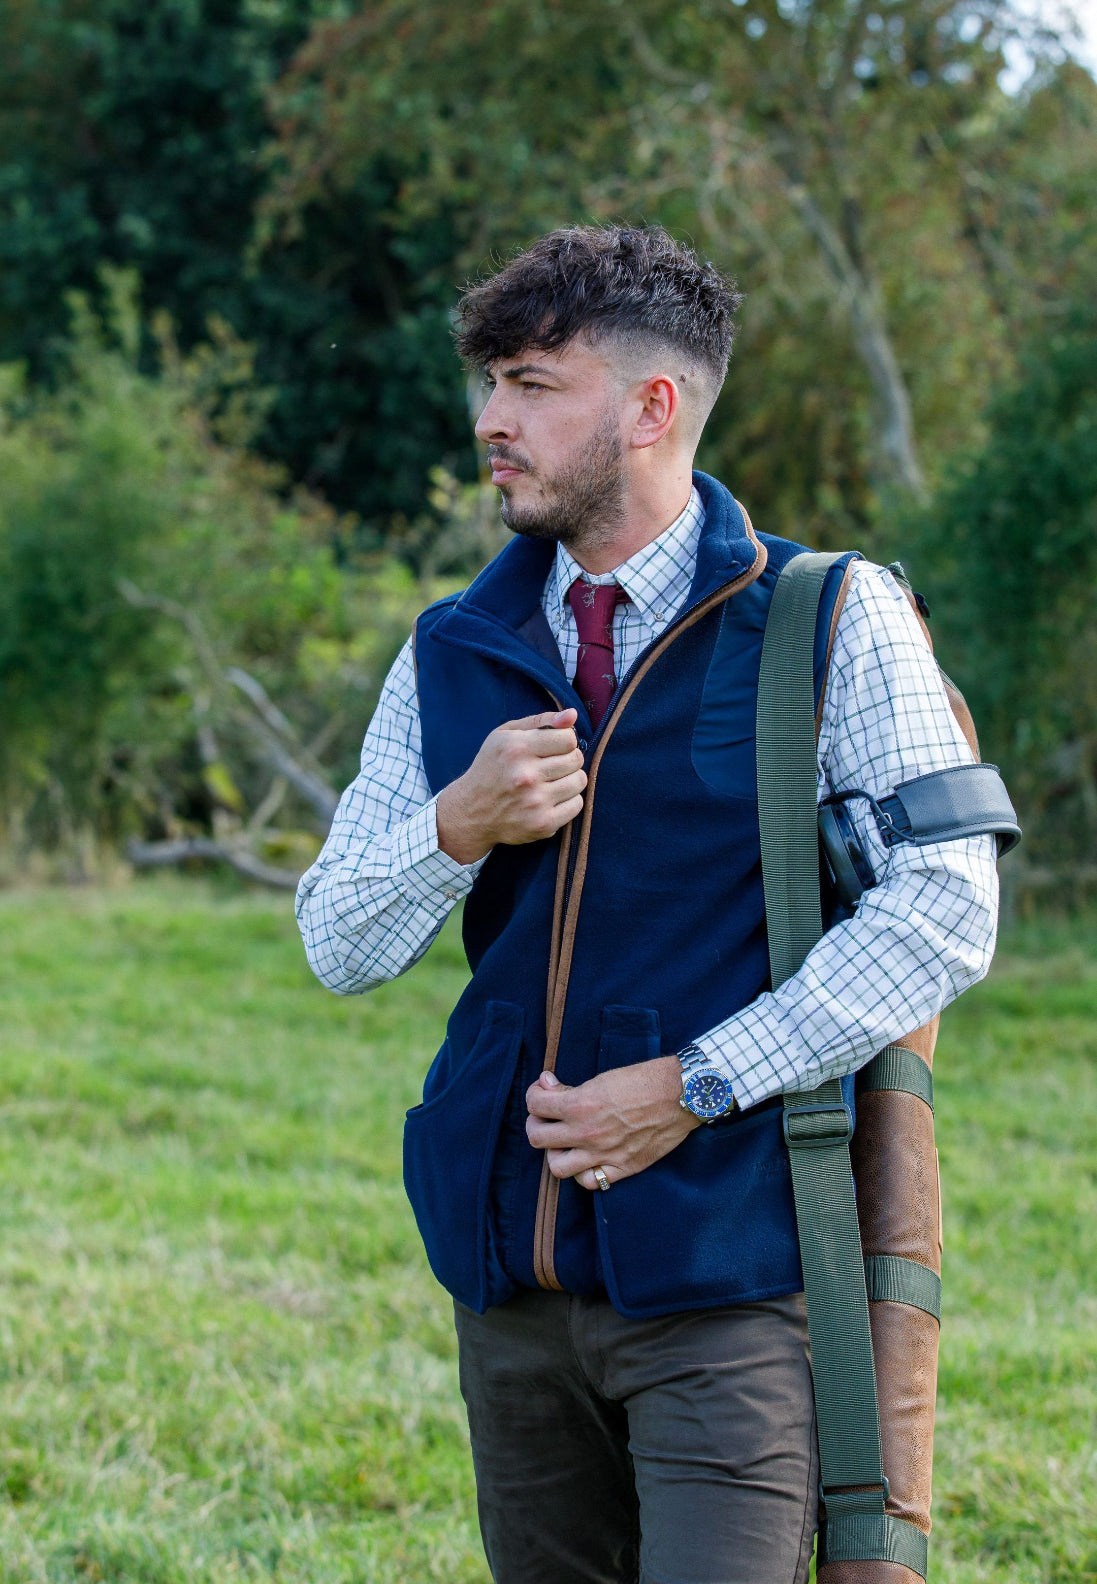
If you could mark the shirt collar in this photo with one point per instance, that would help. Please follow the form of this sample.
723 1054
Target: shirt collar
657 578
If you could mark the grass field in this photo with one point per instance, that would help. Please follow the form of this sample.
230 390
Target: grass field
222 1356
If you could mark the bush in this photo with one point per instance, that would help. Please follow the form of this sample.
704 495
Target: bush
1009 554
145 553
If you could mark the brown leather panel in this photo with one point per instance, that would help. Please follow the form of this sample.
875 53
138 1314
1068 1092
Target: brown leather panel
919 618
923 1041
868 1573
958 705
548 1198
940 1207
956 699
904 1343
843 590
895 1168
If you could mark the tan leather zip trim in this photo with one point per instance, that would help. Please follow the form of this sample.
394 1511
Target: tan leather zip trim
557 921
545 1220
563 929
843 590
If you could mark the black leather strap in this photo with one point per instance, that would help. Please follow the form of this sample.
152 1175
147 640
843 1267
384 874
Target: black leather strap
965 800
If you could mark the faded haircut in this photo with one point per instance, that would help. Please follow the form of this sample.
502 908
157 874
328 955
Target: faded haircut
631 284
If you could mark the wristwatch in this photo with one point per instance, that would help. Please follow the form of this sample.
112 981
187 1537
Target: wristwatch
705 1092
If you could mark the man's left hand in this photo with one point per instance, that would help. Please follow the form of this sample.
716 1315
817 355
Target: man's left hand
623 1120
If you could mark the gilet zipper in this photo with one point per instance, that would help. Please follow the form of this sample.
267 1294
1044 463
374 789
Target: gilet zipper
570 874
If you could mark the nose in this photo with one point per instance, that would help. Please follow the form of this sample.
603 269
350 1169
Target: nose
494 423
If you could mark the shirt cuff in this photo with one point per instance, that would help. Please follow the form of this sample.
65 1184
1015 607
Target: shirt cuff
422 870
755 1052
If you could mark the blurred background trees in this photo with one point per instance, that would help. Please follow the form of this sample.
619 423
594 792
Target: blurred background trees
242 449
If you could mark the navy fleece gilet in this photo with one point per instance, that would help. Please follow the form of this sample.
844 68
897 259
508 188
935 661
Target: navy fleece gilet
669 939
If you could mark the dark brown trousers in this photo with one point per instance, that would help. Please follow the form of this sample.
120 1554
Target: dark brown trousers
680 1450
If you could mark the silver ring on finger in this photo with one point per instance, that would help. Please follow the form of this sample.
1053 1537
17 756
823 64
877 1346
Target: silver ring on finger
601 1179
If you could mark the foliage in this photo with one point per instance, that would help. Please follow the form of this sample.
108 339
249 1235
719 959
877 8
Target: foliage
135 135
826 152
145 549
1028 205
1009 554
223 1356
894 216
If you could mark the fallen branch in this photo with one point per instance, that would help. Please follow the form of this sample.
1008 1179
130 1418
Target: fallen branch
316 792
161 854
257 693
264 722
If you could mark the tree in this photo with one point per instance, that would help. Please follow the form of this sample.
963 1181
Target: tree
1008 554
818 146
136 135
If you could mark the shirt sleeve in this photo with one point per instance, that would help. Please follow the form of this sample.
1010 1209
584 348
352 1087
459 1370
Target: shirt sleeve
925 932
381 889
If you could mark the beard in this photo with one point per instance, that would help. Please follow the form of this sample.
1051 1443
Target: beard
584 503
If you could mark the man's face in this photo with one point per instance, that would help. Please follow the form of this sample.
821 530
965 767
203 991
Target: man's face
552 426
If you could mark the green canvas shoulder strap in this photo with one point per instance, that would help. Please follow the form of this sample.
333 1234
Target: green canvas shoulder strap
818 1125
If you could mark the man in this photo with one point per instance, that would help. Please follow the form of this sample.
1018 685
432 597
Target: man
569 746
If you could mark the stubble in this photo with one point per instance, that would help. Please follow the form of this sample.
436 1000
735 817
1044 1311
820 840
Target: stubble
582 506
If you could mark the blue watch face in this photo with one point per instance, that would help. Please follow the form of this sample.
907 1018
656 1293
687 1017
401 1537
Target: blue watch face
708 1095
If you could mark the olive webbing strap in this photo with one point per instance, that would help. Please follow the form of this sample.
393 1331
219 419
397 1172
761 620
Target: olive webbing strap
891 1279
873 1538
899 1070
818 1125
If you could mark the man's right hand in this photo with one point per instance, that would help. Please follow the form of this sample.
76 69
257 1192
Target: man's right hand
524 784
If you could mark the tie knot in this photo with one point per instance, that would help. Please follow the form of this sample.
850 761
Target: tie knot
593 605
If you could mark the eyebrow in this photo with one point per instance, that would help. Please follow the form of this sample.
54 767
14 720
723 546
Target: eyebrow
527 368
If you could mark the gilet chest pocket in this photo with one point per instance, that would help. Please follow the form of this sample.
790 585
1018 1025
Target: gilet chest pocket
628 1035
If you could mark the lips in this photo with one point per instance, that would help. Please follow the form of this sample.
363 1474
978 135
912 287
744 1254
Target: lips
503 468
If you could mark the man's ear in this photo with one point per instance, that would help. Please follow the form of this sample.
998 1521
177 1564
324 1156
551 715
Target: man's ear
660 400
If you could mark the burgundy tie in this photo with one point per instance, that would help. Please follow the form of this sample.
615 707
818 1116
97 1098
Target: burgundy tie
594 604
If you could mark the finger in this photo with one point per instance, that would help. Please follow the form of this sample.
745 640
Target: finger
566 1162
580 1163
560 765
549 740
566 788
548 1135
586 1179
548 718
547 1100
564 813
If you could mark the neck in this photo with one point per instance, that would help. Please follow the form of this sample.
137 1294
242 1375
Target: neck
651 504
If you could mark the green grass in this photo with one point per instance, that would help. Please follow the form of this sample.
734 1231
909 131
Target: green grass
222 1356
1016 1092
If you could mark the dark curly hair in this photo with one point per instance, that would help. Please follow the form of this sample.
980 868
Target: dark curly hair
632 282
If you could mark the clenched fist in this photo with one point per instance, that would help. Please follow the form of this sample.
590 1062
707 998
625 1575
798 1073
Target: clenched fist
524 784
